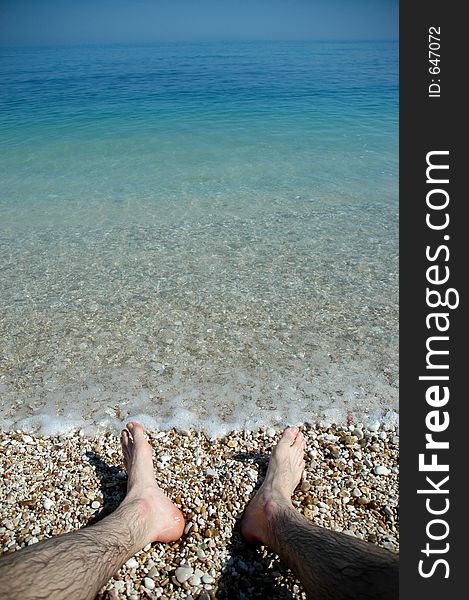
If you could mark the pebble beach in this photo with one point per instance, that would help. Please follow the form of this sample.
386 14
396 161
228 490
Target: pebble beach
53 485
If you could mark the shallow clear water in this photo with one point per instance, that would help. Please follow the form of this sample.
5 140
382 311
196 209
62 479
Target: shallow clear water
205 234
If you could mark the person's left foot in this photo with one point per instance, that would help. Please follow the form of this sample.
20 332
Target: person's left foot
163 521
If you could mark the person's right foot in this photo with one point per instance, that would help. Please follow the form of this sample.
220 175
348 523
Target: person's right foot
286 467
163 521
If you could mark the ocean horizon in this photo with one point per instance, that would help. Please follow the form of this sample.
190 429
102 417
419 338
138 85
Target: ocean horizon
198 235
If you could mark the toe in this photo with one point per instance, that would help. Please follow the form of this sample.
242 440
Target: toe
124 438
299 445
137 433
289 435
299 441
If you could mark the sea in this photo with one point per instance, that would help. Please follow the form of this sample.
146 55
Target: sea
198 235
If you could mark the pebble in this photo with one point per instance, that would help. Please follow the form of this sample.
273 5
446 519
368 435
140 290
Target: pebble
188 527
381 470
32 540
153 572
132 563
149 583
388 512
95 504
389 546
183 573
48 503
334 451
196 579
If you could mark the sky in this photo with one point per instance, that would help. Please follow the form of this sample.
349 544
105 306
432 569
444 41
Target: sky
131 21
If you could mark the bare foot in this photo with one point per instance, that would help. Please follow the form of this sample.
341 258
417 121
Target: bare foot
163 522
286 466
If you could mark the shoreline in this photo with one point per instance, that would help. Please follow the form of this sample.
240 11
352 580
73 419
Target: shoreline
52 485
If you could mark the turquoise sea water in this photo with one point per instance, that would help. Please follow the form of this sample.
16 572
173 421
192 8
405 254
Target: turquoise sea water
204 234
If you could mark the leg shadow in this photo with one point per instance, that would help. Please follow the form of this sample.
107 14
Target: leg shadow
113 485
253 572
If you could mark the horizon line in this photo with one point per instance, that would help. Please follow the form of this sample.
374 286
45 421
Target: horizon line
194 41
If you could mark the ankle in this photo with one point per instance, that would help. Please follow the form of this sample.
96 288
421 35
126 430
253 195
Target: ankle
275 508
136 513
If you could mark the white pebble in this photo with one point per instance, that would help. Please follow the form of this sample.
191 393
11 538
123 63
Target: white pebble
389 546
132 563
195 581
207 578
252 474
149 583
188 527
27 439
270 433
48 503
95 504
183 573
32 540
118 585
381 470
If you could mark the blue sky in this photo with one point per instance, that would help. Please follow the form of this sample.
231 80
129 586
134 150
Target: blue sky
127 21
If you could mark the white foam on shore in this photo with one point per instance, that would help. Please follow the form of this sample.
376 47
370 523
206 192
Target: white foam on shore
49 426
239 400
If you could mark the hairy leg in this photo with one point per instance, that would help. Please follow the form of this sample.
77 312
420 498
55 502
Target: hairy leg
76 565
330 565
